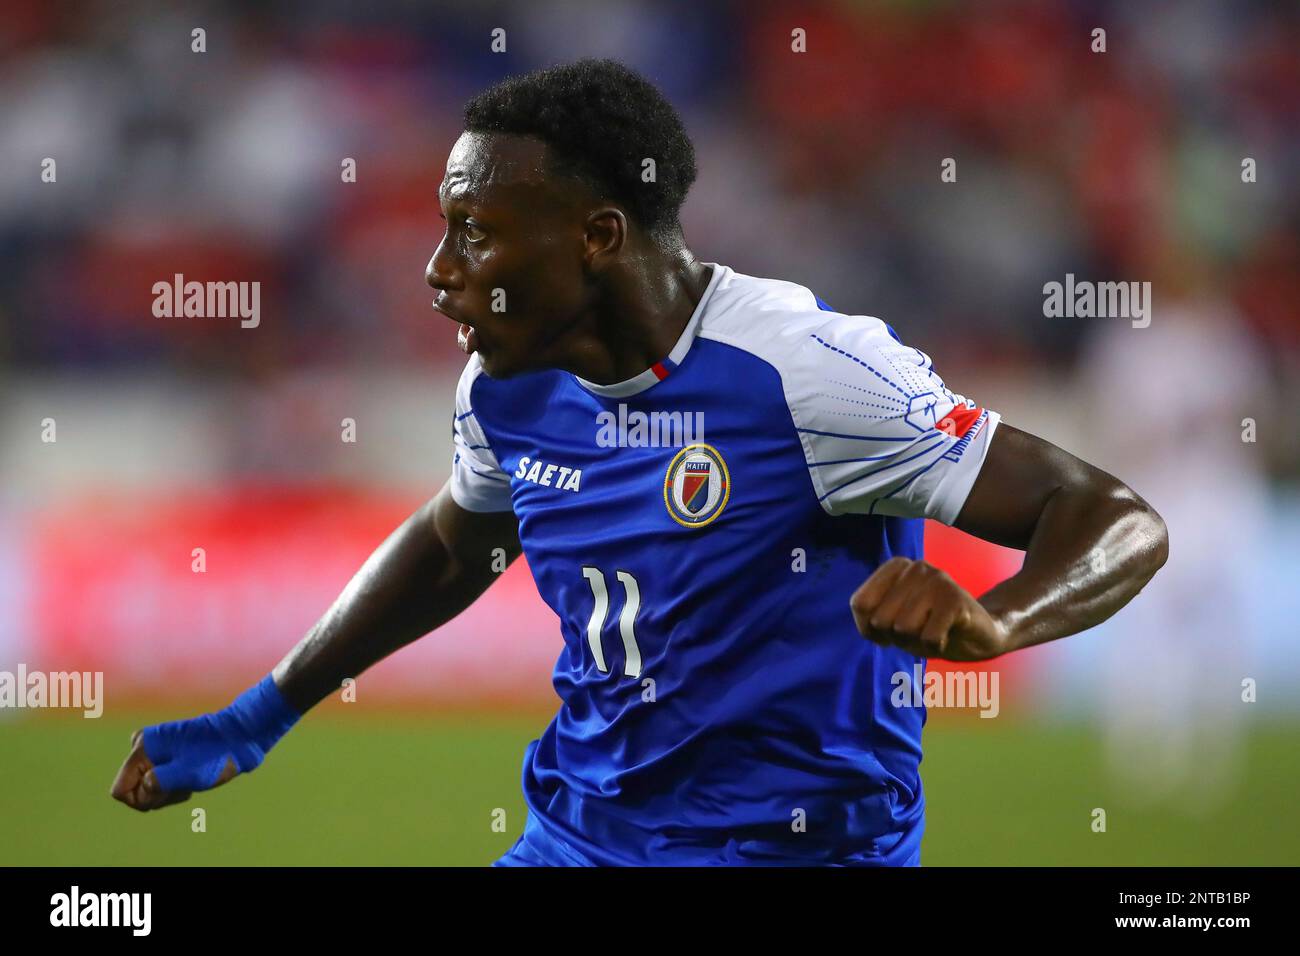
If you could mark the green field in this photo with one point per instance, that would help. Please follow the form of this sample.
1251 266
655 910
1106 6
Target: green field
421 790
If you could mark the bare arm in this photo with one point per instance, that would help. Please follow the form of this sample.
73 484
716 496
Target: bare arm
1091 542
431 568
1091 545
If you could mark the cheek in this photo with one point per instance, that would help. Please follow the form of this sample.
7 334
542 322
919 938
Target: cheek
550 300
542 297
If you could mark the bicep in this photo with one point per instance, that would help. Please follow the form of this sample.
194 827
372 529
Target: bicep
1020 473
477 541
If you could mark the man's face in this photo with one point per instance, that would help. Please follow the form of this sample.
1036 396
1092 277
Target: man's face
511 265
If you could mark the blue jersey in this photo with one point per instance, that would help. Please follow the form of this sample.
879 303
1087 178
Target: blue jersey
698 530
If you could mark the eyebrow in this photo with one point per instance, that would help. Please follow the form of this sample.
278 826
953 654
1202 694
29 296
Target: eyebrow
461 194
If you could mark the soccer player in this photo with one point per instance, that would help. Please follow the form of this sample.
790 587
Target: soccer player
664 438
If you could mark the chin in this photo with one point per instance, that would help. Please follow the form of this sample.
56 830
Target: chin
494 366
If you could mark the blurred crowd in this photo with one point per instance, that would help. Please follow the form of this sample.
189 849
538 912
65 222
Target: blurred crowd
820 167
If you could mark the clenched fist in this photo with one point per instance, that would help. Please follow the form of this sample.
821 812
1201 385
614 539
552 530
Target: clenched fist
919 608
137 784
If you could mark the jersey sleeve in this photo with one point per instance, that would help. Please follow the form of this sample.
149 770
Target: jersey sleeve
881 433
477 481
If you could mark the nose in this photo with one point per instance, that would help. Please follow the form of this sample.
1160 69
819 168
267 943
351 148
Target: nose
441 273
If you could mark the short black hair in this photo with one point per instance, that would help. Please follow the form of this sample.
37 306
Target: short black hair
601 121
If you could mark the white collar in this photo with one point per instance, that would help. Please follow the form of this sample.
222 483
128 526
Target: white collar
661 370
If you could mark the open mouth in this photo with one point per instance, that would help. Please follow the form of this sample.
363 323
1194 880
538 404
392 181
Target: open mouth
466 337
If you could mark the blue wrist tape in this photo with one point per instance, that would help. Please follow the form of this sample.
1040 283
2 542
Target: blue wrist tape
191 754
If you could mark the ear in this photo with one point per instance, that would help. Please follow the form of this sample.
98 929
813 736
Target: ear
606 233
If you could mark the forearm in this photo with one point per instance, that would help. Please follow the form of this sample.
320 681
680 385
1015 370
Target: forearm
409 586
430 569
1092 550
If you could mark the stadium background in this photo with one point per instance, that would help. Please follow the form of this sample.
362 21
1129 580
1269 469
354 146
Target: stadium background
821 168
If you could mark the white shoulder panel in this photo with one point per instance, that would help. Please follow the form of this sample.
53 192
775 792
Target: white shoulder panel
477 481
881 432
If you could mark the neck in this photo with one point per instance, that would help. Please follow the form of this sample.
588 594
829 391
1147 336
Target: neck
641 314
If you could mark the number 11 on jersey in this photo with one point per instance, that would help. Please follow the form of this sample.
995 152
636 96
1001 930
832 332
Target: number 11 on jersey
596 578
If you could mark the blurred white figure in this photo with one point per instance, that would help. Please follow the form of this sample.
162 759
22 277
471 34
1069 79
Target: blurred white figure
1167 404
